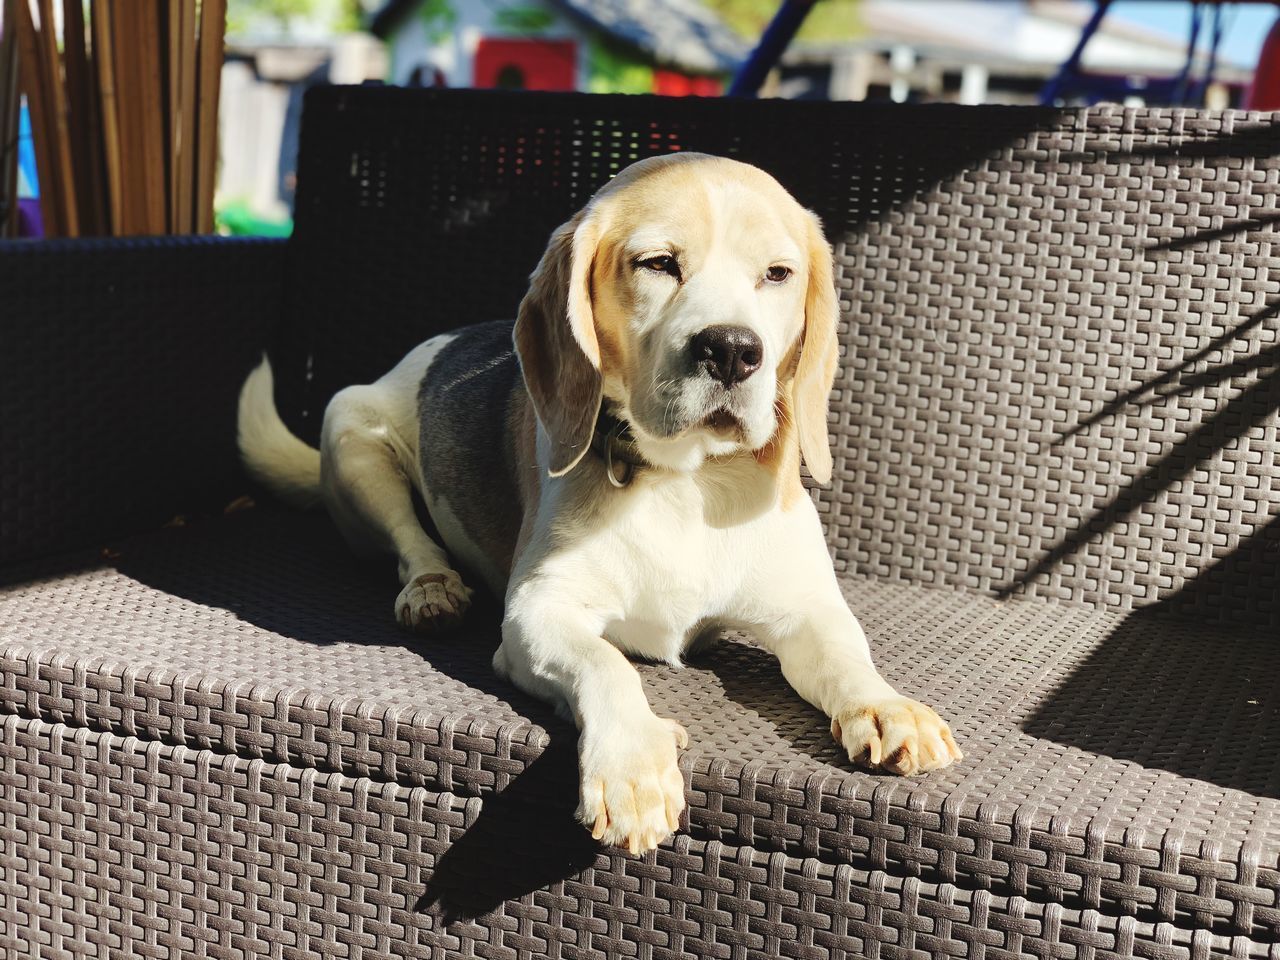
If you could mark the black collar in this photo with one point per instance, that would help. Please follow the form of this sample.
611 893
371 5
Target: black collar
614 443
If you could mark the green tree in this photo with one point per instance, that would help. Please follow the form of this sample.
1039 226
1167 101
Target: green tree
342 16
243 15
828 20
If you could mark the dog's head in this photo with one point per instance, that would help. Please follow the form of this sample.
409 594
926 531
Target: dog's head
697 296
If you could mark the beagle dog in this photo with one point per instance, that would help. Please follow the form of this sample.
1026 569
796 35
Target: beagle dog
624 468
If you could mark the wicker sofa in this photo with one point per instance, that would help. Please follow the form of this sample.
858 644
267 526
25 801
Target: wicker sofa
1056 509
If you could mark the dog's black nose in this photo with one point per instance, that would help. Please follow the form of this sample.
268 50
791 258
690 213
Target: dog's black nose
729 354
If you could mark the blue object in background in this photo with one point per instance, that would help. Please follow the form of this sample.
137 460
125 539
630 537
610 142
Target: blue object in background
773 43
28 182
30 223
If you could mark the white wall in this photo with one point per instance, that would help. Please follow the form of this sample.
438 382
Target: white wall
250 125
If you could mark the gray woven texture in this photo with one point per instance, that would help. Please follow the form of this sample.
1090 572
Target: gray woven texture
192 853
1056 511
1061 371
1099 774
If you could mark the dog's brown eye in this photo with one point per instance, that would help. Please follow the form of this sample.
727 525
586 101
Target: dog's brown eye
662 264
777 273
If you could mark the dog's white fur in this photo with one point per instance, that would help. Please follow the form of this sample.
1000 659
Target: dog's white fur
716 533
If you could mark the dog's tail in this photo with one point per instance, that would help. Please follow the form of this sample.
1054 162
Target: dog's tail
272 455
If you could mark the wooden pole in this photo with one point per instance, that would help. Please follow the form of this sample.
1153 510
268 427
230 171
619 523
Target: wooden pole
150 45
171 29
186 96
10 107
55 101
76 69
213 22
104 61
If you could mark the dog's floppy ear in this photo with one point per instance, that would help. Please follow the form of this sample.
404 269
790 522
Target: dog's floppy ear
819 355
555 338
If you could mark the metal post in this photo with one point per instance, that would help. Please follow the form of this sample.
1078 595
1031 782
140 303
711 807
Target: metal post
1200 90
1050 92
777 35
1180 85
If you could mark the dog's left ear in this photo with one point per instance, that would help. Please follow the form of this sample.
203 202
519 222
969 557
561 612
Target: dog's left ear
555 338
819 355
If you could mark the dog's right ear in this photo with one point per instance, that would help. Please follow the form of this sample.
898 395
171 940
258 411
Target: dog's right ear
819 356
555 338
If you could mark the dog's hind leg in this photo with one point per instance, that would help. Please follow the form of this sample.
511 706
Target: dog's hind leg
368 446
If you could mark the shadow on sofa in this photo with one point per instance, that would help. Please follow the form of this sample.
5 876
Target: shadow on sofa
1181 656
490 863
1154 685
1228 424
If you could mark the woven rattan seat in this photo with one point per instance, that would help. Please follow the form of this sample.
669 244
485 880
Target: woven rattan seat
213 638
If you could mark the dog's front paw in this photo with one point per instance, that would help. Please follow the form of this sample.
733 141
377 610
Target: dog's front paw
632 788
895 734
433 602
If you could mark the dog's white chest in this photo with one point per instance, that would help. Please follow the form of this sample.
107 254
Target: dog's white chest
669 572
657 617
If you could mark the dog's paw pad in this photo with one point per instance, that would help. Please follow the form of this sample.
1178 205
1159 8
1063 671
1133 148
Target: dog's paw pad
433 602
896 735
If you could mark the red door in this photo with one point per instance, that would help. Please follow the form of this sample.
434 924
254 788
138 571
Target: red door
526 64
672 84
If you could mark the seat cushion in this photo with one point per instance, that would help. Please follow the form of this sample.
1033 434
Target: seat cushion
1125 763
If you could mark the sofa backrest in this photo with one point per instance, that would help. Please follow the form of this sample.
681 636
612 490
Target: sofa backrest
120 363
1061 329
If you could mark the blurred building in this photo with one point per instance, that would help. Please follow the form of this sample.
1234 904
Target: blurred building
966 51
978 51
625 46
263 82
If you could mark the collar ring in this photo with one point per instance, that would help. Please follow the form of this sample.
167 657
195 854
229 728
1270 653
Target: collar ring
630 471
